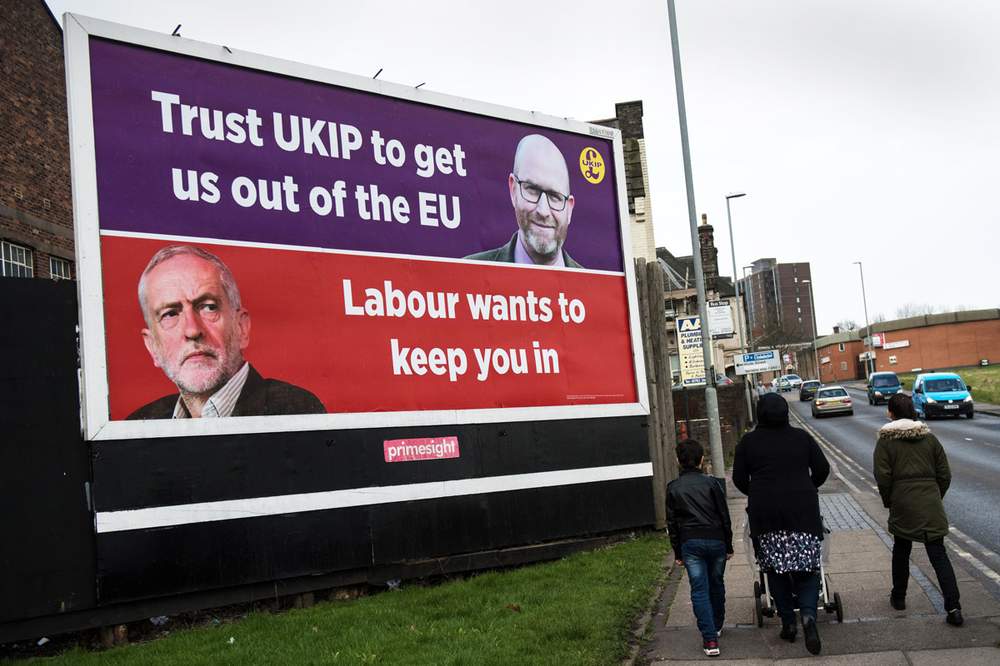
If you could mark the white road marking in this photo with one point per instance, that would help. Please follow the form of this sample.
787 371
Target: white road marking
837 456
979 565
989 554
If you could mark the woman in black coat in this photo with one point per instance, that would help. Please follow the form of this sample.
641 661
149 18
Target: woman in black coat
779 468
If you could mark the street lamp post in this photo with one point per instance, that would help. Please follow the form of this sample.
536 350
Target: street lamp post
711 396
736 286
868 331
812 313
749 304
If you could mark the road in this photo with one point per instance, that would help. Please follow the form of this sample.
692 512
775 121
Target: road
973 448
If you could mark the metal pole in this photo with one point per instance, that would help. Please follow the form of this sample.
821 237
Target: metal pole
812 313
749 317
868 330
711 398
739 308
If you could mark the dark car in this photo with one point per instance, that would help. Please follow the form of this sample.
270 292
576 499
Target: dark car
808 390
882 386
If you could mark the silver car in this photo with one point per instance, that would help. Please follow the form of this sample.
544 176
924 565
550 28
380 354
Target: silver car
832 400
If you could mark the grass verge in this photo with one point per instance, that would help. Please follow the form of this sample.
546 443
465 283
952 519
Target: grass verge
985 382
578 610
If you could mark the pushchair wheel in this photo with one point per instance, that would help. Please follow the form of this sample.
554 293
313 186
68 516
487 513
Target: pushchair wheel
756 589
839 606
758 611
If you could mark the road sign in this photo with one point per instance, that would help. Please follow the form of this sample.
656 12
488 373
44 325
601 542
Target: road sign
720 319
690 351
760 361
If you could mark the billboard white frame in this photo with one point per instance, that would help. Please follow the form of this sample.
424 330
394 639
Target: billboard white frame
95 421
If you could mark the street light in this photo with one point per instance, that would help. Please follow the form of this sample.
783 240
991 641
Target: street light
736 285
711 396
868 336
812 313
736 282
749 304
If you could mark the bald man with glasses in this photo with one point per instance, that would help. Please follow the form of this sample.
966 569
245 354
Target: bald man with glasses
543 207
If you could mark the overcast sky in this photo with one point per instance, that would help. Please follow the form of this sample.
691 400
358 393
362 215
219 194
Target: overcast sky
859 129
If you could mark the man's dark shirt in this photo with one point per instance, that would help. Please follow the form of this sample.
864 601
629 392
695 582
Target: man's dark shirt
259 397
505 253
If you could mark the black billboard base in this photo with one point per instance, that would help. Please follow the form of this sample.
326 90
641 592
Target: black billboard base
302 588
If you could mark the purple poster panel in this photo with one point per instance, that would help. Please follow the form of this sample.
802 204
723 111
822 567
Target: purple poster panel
192 148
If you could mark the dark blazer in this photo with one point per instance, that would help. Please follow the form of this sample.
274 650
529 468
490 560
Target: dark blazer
779 468
259 397
505 253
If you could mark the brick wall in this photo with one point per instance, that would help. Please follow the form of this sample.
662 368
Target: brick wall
690 418
843 365
943 346
35 200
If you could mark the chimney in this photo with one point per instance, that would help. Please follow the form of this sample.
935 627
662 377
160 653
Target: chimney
709 253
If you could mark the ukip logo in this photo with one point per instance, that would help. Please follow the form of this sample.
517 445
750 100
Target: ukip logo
592 165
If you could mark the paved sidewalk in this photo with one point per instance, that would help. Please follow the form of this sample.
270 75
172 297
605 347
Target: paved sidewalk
859 570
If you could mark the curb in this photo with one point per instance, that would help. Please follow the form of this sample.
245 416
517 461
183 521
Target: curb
642 626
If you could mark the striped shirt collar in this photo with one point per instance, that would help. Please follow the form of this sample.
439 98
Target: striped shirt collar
222 403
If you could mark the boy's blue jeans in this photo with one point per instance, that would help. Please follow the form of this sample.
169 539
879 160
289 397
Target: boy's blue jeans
705 561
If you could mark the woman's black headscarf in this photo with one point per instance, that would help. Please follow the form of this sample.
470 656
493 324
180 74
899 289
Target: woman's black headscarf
772 411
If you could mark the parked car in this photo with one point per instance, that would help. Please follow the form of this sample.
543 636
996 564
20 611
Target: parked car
882 386
942 394
832 400
789 382
808 389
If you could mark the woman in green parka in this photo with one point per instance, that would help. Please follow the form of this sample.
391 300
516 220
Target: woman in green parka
912 472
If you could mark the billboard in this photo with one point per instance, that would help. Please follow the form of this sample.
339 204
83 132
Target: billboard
692 357
297 249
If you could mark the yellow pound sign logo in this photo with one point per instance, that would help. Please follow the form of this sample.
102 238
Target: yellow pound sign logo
592 165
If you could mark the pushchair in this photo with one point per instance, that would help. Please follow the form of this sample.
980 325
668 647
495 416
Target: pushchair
763 603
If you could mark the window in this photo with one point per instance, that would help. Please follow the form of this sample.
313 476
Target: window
59 269
840 347
843 365
16 261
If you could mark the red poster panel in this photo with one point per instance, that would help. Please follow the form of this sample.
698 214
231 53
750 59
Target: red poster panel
385 334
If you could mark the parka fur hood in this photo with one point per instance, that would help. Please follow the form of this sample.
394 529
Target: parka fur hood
904 429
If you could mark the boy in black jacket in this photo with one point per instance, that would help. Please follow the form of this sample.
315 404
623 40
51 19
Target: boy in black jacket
701 535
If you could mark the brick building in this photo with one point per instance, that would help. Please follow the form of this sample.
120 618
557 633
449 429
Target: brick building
628 119
839 357
36 219
779 303
681 297
928 342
